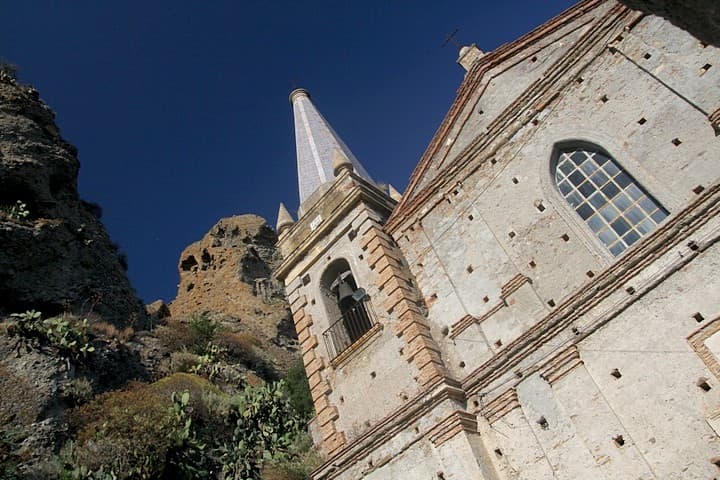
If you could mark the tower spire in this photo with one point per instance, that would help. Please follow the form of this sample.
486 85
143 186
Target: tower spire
316 144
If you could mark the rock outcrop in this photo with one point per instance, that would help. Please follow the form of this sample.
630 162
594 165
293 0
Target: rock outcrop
228 274
56 255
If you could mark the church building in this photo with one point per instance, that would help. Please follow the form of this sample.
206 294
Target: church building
543 300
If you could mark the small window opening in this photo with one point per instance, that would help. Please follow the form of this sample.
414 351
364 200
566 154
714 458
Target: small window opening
703 384
493 161
532 264
575 330
469 269
604 99
630 290
698 317
470 217
698 190
676 141
543 423
565 237
535 121
511 234
445 331
306 279
352 234
551 302
498 452
705 68
515 180
619 440
647 56
361 257
642 121
539 205
461 364
616 373
481 111
692 245
476 404
590 274
579 79
498 344
486 299
373 374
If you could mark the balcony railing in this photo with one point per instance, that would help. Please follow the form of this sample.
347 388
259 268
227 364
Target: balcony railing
348 329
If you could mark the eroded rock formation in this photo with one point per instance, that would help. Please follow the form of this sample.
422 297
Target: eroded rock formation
228 274
56 255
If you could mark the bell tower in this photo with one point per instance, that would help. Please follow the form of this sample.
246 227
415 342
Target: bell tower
367 348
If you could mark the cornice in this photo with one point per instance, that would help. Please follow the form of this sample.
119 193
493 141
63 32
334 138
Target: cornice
346 192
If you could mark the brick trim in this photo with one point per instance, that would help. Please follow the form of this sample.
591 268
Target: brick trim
320 389
401 298
697 343
500 406
457 422
560 365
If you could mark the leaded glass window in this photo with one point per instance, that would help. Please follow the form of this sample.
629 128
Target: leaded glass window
615 207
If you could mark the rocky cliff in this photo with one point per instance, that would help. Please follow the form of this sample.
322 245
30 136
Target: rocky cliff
228 275
56 255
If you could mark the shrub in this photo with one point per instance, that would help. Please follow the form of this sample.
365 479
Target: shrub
134 433
297 463
298 390
102 328
203 326
66 333
78 390
193 335
265 425
183 362
17 211
239 346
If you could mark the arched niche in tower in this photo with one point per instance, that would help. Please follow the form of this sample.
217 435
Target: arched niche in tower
346 307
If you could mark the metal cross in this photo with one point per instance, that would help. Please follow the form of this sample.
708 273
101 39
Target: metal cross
451 39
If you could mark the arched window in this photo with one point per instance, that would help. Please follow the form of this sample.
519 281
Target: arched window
612 203
347 308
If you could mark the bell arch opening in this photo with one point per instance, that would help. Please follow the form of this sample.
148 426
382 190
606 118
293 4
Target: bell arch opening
347 308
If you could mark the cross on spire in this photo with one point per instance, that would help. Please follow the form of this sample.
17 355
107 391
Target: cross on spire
450 38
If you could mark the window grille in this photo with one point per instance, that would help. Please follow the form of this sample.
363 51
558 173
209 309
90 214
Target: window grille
615 207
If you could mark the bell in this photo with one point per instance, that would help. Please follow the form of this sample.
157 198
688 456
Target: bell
344 290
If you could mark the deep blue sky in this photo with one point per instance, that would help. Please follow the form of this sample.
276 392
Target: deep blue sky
180 111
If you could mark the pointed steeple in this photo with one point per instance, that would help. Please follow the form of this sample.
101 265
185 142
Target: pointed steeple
316 144
284 220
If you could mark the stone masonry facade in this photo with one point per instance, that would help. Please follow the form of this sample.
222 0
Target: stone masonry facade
518 328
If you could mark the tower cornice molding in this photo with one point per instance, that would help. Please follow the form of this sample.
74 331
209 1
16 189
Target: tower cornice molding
345 193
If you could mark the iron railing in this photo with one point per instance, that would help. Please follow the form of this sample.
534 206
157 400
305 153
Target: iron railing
348 329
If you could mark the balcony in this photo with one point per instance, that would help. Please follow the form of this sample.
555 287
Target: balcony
355 324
